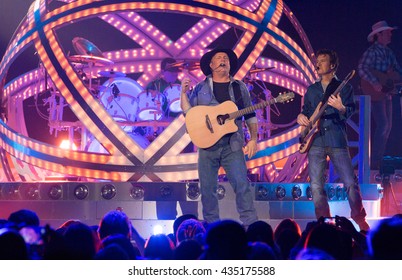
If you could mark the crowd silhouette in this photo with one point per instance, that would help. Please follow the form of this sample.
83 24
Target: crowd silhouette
23 238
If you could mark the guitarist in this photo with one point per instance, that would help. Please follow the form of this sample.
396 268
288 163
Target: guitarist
379 58
330 140
219 66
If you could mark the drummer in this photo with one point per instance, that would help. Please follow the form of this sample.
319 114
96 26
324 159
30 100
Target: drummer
168 77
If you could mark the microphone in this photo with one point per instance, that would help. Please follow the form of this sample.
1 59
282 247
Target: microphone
317 68
220 65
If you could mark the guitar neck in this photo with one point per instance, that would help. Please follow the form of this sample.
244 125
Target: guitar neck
251 109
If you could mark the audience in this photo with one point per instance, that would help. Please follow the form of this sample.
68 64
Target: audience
115 238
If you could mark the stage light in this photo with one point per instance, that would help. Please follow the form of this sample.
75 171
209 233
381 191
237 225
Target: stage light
157 229
81 191
280 192
14 192
67 145
137 192
108 191
193 191
55 192
31 192
331 193
220 192
296 192
398 177
378 177
262 192
340 193
165 191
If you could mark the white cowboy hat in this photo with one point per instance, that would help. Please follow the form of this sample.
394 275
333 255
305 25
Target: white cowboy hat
378 27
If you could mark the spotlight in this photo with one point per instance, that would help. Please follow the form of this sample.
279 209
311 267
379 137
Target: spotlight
137 192
193 191
108 191
81 191
398 177
55 192
331 193
296 192
280 192
14 192
157 229
165 191
31 192
220 192
262 192
309 193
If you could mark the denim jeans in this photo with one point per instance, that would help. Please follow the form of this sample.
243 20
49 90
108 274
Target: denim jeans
234 164
382 116
341 160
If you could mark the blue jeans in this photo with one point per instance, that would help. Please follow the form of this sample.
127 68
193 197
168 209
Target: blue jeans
340 158
382 116
234 164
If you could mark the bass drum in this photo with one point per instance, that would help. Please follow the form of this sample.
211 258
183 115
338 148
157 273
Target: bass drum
95 147
172 94
151 106
119 96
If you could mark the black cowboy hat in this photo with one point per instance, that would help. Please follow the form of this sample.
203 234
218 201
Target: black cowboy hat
206 60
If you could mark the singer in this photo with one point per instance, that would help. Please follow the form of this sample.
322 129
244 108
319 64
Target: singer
219 66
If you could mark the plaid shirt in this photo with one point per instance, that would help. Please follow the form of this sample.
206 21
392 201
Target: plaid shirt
377 57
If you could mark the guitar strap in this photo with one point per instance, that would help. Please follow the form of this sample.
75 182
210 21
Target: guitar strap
237 94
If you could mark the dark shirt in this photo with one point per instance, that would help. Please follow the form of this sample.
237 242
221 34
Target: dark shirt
332 128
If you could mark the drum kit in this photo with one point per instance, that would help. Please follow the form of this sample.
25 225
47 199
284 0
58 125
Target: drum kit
141 113
124 99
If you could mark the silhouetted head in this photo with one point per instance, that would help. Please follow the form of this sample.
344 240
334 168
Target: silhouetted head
23 218
226 240
384 240
114 222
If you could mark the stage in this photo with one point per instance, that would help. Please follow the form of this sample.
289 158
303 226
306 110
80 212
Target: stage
150 205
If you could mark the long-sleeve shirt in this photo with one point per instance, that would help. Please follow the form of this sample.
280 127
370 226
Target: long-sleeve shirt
377 57
332 125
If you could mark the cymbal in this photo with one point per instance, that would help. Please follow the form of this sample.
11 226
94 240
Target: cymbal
87 59
256 70
111 74
84 47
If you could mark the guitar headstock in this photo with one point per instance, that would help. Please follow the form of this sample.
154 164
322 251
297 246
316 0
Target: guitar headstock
285 97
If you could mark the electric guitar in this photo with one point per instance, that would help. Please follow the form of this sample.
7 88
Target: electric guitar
388 80
308 133
207 124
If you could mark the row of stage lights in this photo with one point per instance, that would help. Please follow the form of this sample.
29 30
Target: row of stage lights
164 191
297 192
81 191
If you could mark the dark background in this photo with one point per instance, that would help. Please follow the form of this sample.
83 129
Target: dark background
342 25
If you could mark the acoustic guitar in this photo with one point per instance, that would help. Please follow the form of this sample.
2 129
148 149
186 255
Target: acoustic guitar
388 80
207 124
308 133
